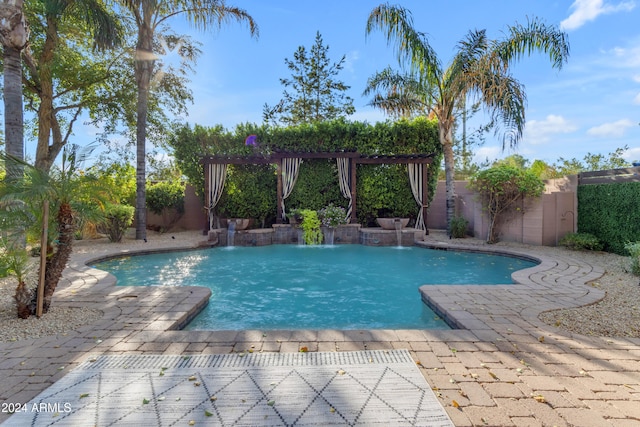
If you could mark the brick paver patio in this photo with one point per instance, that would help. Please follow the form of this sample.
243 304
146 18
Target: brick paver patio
504 367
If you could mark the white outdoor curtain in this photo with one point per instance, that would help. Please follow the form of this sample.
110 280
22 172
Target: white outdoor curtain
415 179
290 168
344 178
217 177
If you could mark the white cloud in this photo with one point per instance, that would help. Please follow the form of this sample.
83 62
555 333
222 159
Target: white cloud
350 59
611 130
540 131
632 154
636 100
588 10
490 153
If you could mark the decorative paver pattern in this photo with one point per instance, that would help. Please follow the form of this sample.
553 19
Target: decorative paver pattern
504 368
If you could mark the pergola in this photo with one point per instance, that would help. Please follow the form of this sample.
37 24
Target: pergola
288 163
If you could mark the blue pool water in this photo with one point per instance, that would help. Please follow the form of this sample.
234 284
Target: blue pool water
314 287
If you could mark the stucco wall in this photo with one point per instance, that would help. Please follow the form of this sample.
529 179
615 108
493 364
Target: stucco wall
540 221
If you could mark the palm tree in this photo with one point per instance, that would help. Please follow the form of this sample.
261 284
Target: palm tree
14 35
105 32
479 70
72 195
148 16
15 261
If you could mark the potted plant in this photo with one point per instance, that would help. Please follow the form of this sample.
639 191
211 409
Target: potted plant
332 216
310 225
295 217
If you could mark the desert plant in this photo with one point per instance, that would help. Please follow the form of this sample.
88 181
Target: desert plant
332 215
634 253
581 241
117 219
458 227
15 261
311 232
72 195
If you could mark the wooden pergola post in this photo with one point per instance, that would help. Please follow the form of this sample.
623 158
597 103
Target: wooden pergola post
352 183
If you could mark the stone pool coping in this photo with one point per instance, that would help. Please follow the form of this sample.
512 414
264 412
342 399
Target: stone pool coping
492 368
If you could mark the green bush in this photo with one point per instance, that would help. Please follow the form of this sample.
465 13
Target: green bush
117 219
311 227
500 188
165 195
458 227
581 241
634 253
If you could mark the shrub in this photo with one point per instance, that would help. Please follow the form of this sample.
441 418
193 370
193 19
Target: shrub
634 253
581 241
117 219
458 227
165 195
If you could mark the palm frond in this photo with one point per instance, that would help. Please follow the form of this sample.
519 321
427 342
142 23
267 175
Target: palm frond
106 28
206 14
413 46
535 36
400 95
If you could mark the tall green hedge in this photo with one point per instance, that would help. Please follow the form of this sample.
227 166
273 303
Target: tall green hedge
383 190
611 212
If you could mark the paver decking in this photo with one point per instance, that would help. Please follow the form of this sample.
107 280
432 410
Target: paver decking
504 368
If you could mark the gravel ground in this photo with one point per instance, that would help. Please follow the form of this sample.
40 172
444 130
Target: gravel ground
617 315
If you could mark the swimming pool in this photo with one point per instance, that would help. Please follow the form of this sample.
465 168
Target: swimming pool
314 287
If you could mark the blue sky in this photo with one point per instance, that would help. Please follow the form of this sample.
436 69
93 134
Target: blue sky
591 105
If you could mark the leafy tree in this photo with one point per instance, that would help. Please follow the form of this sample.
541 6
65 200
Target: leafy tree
72 195
14 35
514 160
119 179
592 162
316 94
480 69
543 170
149 15
63 65
500 187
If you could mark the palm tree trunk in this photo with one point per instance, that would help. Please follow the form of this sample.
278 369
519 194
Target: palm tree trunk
23 299
143 68
446 140
14 34
58 261
13 119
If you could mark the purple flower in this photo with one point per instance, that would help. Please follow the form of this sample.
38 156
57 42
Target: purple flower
251 140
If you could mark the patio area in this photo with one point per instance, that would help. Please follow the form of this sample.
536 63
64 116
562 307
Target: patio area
505 368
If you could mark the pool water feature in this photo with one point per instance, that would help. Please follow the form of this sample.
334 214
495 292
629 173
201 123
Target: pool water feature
314 287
